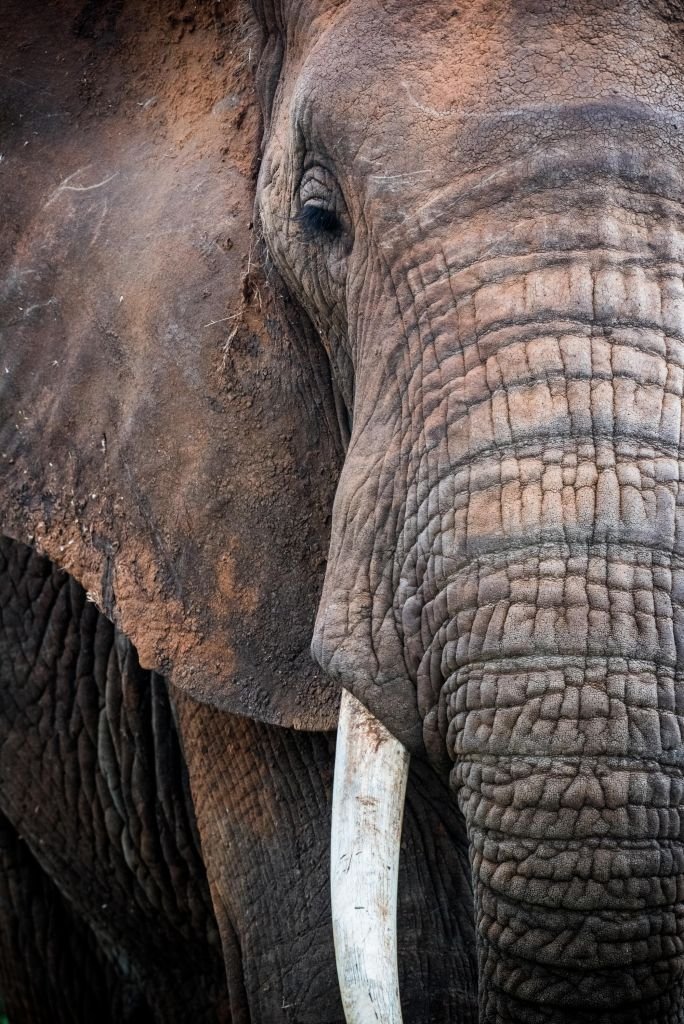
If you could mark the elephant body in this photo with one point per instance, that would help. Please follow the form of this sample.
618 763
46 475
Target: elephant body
501 298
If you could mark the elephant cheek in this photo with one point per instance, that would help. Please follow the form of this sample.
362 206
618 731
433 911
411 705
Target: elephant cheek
356 639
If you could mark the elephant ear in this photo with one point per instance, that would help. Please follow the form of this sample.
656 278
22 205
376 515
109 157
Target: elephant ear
168 434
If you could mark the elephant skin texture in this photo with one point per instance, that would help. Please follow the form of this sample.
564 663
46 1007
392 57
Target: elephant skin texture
479 206
105 911
104 902
458 299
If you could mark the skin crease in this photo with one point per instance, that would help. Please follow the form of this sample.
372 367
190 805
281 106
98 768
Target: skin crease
501 299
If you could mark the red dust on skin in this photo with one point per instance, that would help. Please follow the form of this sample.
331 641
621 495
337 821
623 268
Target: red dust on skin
174 436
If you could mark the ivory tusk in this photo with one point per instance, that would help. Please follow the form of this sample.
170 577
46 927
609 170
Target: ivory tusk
371 769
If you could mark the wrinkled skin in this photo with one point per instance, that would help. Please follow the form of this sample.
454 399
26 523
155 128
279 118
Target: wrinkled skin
480 208
493 264
182 474
105 911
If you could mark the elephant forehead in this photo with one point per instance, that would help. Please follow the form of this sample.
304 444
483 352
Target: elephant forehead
374 66
469 90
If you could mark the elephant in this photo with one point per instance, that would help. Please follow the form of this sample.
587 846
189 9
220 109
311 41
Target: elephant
442 261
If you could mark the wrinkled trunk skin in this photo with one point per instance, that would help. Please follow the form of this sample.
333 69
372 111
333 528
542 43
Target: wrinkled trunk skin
562 691
536 587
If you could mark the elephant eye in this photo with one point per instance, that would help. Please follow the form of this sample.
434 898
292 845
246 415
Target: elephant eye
322 211
318 220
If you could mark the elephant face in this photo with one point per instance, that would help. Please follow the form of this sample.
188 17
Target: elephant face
451 238
480 211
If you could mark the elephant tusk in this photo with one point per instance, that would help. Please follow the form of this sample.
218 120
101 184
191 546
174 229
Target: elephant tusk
371 769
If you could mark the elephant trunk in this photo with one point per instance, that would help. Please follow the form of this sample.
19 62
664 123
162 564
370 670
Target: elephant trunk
573 807
560 665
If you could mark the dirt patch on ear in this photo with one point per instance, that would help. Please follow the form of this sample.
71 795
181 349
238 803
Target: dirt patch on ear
168 433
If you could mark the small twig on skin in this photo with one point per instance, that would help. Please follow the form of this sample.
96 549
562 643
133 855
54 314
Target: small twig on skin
223 319
226 347
250 290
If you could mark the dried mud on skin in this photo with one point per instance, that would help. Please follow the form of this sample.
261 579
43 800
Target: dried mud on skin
166 437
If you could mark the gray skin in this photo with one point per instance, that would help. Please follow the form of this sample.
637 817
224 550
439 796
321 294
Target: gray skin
497 280
109 909
480 209
105 913
182 474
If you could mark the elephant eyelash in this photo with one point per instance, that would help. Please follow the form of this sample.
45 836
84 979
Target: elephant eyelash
318 220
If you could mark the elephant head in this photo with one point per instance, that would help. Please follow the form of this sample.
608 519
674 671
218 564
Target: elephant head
479 208
470 299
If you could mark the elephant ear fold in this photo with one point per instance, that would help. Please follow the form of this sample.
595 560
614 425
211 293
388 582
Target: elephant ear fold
284 26
270 53
168 432
267 75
